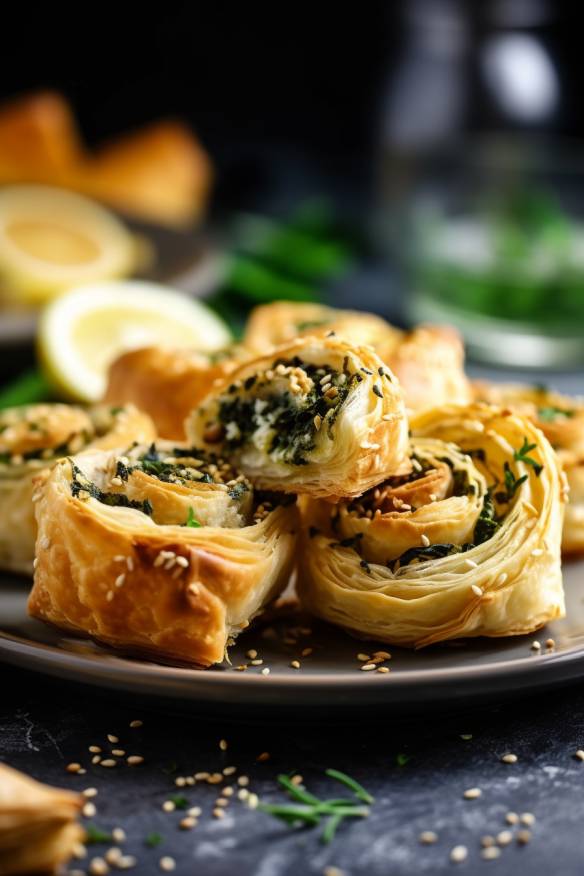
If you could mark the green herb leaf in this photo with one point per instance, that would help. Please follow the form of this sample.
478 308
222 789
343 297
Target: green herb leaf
27 389
549 414
180 801
153 840
521 456
358 789
192 520
96 835
402 759
487 524
512 484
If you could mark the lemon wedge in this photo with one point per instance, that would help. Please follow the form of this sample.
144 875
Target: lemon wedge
81 332
52 239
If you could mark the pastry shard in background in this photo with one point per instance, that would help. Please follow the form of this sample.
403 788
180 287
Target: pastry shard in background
467 544
317 416
168 384
561 419
165 551
32 438
38 827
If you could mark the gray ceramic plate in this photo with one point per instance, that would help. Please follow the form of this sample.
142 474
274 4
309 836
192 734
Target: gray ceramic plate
329 678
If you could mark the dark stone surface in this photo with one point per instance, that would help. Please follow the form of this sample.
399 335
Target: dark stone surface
46 725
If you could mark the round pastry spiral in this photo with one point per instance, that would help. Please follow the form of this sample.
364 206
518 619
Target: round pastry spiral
466 544
316 416
162 549
32 438
561 419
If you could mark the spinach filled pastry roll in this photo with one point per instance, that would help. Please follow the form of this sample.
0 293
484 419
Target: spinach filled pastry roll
164 549
428 360
32 438
316 416
167 384
38 825
466 544
561 419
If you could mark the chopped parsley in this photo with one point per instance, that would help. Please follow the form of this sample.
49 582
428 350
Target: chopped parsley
487 524
180 801
192 520
96 835
153 840
521 456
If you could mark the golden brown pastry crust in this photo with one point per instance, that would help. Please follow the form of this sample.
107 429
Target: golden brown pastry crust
561 419
167 384
428 361
38 828
335 433
31 439
151 583
354 571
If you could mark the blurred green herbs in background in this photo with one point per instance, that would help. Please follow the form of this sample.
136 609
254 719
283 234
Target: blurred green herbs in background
521 258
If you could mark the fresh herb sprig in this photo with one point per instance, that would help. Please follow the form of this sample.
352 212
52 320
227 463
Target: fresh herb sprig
521 456
512 484
192 520
311 810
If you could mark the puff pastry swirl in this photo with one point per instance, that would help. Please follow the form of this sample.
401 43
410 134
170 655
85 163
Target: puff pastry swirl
38 827
165 550
467 544
316 416
31 439
561 419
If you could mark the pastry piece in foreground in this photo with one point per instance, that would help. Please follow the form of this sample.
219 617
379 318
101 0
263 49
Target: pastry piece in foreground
561 419
467 544
167 384
38 827
316 416
165 550
428 360
32 438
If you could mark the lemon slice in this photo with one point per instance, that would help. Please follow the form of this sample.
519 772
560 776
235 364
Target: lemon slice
81 332
52 239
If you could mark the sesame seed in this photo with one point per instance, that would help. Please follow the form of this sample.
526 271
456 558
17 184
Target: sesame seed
265 670
201 777
98 867
135 760
229 770
509 758
168 806
180 781
332 871
187 823
118 752
243 781
108 762
135 724
113 855
214 779
579 755
89 810
90 792
94 749
425 540
527 818
504 837
96 759
79 851
73 767
167 863
306 652
471 564
363 658
257 662
523 837
194 811
252 801
295 664
112 739
383 669
458 854
472 793
119 835
487 841
221 801
126 862
264 756
550 644
502 578
367 667
223 742
491 853
512 818
535 646
44 543
427 837
182 562
218 813
476 589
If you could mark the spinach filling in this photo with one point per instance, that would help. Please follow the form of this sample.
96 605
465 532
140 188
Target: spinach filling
293 419
81 483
